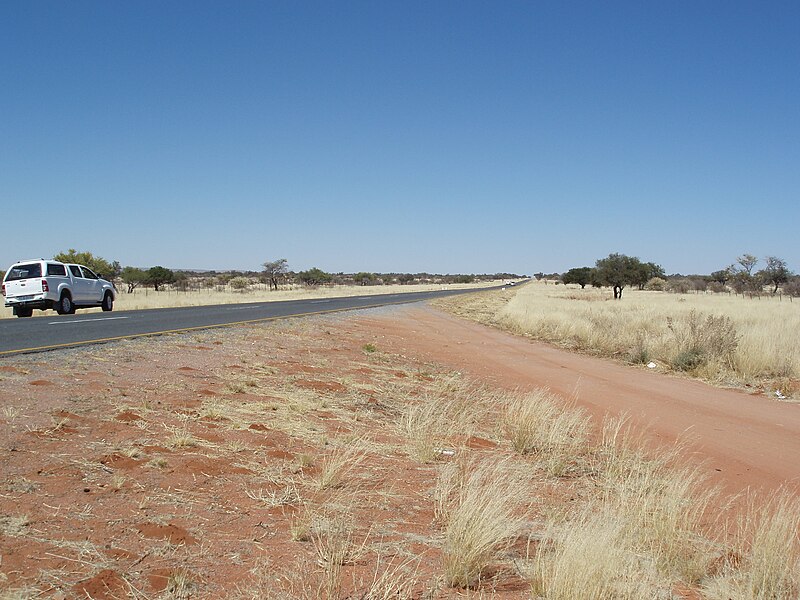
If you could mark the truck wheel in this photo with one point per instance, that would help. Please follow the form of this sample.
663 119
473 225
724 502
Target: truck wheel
65 305
23 312
108 302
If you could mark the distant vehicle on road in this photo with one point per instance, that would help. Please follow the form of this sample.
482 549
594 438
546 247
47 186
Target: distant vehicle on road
50 284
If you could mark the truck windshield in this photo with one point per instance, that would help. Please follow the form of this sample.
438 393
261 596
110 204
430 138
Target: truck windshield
24 272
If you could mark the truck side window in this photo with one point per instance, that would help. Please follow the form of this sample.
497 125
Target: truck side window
88 274
56 270
76 270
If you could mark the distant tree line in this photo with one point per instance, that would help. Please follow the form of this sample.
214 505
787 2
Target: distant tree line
619 271
275 273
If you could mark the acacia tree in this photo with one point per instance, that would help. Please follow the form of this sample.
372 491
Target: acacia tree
746 263
314 276
157 276
580 275
275 271
742 279
775 272
618 270
133 277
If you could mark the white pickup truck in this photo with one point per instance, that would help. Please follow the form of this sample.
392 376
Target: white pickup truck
49 284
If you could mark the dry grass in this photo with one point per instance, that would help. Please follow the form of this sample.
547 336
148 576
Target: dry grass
339 464
538 423
590 557
721 338
480 519
765 559
665 504
336 545
451 408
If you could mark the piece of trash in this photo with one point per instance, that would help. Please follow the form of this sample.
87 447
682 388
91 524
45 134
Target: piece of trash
779 395
445 452
651 365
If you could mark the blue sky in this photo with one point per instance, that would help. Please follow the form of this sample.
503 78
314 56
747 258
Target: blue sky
401 136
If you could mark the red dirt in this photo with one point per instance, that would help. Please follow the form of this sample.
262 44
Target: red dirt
125 467
745 441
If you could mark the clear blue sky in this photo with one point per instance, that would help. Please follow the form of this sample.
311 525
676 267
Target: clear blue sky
401 136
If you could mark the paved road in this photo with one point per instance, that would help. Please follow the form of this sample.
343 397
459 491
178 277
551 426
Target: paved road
59 331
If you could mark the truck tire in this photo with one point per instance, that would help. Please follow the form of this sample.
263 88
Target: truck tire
108 302
64 306
22 311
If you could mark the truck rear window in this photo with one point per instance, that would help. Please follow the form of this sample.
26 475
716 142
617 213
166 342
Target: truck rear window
24 272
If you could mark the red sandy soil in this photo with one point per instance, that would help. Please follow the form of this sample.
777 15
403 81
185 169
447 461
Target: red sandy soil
130 467
746 441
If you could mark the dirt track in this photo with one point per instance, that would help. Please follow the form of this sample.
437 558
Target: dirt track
746 441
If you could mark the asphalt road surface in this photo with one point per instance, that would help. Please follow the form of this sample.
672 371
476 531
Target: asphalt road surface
59 331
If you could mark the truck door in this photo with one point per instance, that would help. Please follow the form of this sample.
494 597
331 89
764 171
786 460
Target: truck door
94 289
79 285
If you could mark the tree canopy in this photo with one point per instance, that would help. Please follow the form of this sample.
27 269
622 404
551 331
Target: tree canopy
775 273
158 276
275 271
314 276
133 277
101 266
618 271
580 275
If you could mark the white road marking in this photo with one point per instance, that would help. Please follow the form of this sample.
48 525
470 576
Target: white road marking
244 307
320 301
70 322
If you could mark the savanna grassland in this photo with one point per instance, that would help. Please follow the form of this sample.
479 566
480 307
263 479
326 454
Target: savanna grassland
724 339
302 459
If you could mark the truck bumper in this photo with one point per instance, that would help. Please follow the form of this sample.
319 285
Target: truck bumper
40 303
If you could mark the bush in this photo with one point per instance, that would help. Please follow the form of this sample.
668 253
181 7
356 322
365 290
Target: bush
679 286
656 284
239 283
792 287
688 360
701 340
717 287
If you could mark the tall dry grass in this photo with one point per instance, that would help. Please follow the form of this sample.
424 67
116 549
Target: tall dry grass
590 556
765 559
538 423
449 411
477 503
722 338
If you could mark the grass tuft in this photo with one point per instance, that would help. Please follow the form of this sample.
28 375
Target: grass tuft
480 521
